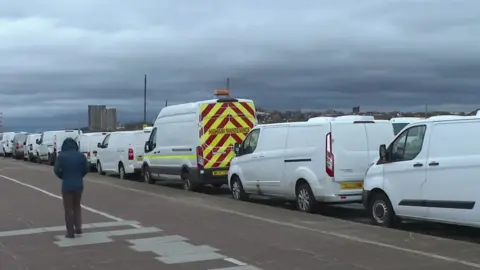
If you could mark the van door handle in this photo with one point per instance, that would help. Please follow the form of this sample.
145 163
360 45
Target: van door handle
418 165
433 163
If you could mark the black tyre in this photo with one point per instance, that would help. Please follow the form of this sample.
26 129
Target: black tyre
54 158
121 172
306 201
147 176
238 193
188 184
381 211
99 168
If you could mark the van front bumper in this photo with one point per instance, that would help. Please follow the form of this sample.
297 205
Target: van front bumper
211 176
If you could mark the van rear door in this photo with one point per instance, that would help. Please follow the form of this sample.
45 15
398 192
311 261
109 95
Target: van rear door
222 124
350 153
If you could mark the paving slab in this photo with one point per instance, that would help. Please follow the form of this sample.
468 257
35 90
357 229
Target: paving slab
196 231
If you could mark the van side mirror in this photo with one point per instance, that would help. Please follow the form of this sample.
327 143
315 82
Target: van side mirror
236 149
24 143
99 145
382 152
37 141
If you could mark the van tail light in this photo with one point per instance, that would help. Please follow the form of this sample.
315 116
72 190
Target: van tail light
329 158
131 154
200 161
88 155
17 145
54 147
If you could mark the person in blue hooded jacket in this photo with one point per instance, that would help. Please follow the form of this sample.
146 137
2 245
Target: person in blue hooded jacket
71 166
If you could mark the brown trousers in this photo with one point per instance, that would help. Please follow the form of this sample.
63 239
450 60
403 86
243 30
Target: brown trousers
73 211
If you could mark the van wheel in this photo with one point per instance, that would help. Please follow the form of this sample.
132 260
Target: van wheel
147 176
51 159
99 168
306 201
238 193
381 211
188 184
121 171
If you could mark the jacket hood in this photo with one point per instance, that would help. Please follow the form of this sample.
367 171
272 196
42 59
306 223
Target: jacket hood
69 145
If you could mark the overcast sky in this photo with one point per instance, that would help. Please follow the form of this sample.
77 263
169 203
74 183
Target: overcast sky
58 56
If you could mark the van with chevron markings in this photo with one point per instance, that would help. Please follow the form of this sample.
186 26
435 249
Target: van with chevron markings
192 143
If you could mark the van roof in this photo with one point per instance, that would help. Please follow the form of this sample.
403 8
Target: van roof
441 118
405 119
342 118
191 107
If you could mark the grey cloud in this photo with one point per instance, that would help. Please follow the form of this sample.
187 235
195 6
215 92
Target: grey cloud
58 56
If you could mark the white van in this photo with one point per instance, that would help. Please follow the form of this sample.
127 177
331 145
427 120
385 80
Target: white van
428 172
309 162
7 146
192 143
50 143
88 145
122 153
31 147
399 123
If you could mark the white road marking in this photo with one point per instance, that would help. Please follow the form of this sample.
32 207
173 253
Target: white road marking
62 228
231 260
292 225
235 261
59 197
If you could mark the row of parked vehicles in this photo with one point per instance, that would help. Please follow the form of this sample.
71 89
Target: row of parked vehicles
408 168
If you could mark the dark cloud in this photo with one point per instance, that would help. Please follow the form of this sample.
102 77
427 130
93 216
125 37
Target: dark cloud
59 56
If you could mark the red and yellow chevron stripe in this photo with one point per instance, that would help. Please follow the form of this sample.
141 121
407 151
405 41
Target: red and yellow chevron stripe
222 125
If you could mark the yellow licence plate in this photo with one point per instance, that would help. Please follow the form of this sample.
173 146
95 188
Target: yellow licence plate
352 185
220 173
139 158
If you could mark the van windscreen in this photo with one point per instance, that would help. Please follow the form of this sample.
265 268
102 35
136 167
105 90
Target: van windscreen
397 127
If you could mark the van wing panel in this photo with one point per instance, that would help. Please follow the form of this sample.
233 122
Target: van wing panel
222 125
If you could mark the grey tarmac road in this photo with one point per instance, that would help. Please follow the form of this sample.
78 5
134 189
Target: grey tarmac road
131 224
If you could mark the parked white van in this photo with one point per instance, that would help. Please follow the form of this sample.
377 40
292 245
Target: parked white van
7 147
192 143
31 147
50 144
122 152
308 162
399 123
428 172
88 145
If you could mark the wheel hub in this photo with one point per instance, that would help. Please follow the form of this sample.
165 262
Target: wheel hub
303 200
380 211
236 190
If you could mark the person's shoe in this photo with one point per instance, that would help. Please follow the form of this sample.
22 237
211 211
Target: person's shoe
69 236
78 232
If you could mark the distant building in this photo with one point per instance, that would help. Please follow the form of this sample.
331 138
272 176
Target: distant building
356 110
95 116
101 118
111 119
